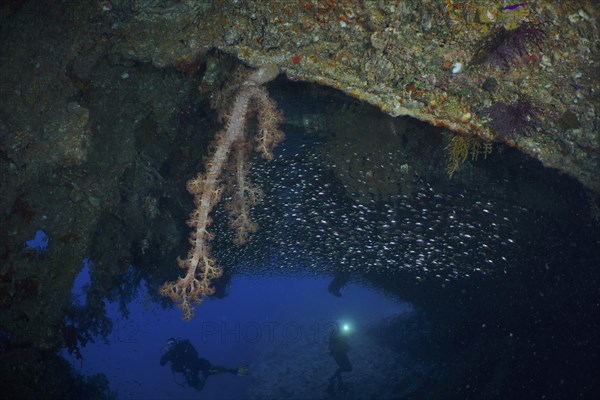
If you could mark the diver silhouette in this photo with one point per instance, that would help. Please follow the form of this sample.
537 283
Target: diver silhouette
340 279
184 360
338 349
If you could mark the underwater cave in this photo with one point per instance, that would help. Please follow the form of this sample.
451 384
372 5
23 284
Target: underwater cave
382 257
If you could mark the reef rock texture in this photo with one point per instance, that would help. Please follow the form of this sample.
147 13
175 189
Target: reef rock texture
525 74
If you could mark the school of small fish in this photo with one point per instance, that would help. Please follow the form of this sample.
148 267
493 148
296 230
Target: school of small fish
309 224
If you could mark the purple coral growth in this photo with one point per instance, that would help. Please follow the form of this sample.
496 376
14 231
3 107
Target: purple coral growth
521 117
514 6
507 46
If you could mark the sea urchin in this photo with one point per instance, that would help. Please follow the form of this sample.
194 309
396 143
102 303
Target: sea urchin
521 117
506 46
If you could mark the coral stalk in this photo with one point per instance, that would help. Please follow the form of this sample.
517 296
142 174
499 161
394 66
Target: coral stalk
208 187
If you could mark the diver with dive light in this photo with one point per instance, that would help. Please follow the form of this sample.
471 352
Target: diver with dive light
338 349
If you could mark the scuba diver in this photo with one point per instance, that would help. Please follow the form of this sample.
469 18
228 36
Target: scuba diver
338 349
184 359
340 279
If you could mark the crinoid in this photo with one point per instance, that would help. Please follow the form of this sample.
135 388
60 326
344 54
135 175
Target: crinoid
508 120
505 47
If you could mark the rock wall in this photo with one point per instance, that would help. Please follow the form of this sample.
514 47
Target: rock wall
525 74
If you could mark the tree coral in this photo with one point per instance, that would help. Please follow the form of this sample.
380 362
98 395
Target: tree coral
208 187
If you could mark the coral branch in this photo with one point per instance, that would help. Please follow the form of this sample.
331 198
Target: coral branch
208 188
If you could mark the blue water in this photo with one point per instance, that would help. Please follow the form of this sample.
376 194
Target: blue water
261 318
39 242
